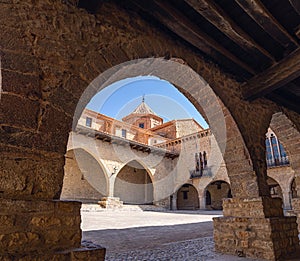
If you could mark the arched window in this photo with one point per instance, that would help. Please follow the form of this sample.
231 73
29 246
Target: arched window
269 150
275 152
274 144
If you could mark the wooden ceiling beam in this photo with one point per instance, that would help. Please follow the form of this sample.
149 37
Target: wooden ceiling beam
273 78
167 15
285 99
216 16
259 13
296 5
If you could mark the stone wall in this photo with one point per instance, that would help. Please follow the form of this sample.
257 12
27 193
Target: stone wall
52 93
50 225
186 127
51 51
83 181
251 237
167 130
256 224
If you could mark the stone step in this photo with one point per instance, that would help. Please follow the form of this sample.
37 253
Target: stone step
96 207
110 202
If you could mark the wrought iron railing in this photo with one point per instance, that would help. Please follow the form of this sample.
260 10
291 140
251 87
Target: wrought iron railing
196 173
206 172
274 162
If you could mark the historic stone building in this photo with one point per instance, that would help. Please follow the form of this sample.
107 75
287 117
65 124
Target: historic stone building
123 165
197 185
237 61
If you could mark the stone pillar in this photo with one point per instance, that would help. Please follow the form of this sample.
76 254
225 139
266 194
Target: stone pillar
255 228
286 200
174 201
296 201
40 229
296 210
202 202
111 185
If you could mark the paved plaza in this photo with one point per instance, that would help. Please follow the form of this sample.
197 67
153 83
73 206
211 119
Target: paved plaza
149 235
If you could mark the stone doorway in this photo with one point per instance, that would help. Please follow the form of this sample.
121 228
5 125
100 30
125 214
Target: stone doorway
187 198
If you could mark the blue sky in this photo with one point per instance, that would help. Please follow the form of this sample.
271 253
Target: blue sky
122 97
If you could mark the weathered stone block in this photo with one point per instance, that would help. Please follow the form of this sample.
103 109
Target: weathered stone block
269 238
22 84
31 178
19 62
255 207
38 226
22 114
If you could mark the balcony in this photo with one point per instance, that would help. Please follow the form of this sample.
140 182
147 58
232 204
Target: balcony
200 173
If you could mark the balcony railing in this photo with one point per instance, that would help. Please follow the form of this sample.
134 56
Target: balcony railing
200 173
283 161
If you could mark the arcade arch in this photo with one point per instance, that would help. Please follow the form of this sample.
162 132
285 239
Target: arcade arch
215 192
84 178
38 123
133 184
187 198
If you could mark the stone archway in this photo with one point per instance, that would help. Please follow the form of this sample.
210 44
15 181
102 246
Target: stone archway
187 198
275 189
84 179
217 191
289 136
45 84
133 184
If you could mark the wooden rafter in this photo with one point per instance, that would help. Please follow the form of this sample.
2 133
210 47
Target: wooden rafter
273 78
296 5
215 15
166 14
286 99
258 12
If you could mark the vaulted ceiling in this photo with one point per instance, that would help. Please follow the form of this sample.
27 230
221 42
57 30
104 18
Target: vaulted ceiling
256 41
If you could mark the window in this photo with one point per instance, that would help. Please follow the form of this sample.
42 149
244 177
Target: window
142 125
123 133
269 149
282 151
88 122
275 147
204 159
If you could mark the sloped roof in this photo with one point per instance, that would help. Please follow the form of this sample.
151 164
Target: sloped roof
143 108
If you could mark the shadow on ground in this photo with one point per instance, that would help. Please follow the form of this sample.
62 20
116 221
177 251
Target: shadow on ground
147 237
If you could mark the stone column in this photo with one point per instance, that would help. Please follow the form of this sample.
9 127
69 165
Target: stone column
202 202
174 201
286 200
296 201
255 228
110 201
111 185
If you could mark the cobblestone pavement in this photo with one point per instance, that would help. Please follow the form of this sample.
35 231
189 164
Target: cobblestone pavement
149 235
